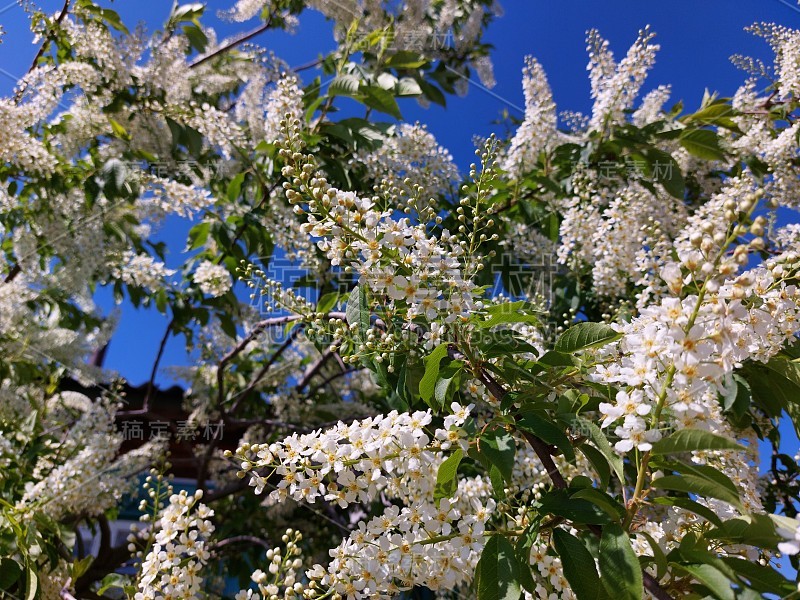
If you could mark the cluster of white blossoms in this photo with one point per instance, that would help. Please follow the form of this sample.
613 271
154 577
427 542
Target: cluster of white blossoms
142 270
213 279
170 570
282 579
616 86
353 463
82 473
394 257
676 350
420 542
419 545
538 130
622 221
286 98
412 162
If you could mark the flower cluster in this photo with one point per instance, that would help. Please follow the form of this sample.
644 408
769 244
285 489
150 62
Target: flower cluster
678 350
170 570
213 279
412 163
281 579
353 463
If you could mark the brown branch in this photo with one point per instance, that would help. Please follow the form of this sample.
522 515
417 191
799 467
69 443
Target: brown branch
263 371
652 585
541 449
240 347
309 65
233 43
314 368
154 370
328 380
15 270
39 53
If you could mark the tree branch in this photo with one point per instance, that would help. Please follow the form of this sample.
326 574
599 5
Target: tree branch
541 449
233 43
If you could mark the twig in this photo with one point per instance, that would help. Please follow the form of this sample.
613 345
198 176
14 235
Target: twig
233 43
15 270
314 368
154 371
541 449
260 375
39 53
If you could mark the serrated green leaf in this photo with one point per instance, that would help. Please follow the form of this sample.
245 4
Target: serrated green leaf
382 100
585 335
547 431
496 575
578 565
427 385
499 448
703 143
711 579
446 482
692 484
357 311
620 572
344 85
688 440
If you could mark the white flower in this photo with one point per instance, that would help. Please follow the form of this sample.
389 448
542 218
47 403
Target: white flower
213 279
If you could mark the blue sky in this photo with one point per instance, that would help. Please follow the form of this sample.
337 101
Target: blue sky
697 39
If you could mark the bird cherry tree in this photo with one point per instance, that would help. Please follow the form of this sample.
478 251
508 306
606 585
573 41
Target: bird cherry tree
549 378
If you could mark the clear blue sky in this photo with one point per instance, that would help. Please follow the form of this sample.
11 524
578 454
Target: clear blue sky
697 39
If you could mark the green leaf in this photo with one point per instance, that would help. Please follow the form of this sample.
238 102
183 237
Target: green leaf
692 484
10 570
587 429
761 578
408 87
688 440
605 502
198 235
446 482
620 572
447 384
578 565
658 555
703 143
327 302
79 567
510 312
112 580
585 335
712 579
690 505
344 85
405 59
523 551
497 446
427 385
31 583
547 431
496 575
559 503
357 311
382 100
